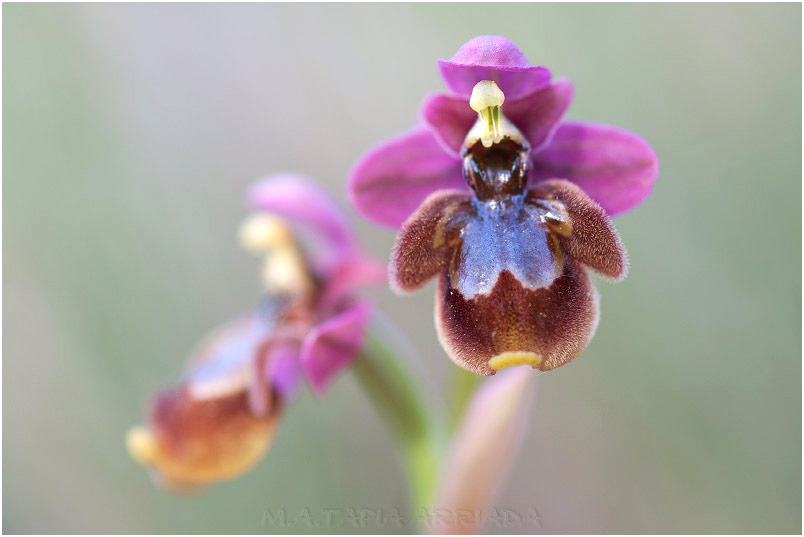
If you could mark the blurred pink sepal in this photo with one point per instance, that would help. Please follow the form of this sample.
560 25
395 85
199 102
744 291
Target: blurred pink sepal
332 345
483 449
219 420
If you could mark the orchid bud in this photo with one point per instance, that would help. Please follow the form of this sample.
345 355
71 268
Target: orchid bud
484 448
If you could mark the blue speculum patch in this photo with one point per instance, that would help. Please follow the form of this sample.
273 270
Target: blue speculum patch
505 234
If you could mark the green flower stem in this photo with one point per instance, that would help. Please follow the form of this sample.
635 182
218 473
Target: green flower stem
464 384
399 402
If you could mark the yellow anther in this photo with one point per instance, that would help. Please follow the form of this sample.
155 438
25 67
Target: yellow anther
512 358
487 100
285 272
486 94
262 232
142 446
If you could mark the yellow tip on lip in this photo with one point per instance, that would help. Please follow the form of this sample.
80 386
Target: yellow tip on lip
512 358
141 445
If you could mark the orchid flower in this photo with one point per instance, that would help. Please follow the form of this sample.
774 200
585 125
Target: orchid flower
508 205
220 419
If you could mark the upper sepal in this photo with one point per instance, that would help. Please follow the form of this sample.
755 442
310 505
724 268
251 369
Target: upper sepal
492 57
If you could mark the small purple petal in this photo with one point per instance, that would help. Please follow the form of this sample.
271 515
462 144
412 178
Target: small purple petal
616 168
491 57
284 369
306 206
259 389
333 344
276 370
450 118
391 180
537 115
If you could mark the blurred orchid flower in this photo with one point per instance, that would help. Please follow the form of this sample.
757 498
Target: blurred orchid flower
220 420
508 205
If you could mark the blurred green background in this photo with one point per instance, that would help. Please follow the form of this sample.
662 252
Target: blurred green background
132 131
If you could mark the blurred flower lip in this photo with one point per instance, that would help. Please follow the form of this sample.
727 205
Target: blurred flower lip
190 443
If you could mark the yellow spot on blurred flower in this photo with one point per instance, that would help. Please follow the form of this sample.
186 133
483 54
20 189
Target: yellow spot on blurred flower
141 446
262 232
512 358
285 272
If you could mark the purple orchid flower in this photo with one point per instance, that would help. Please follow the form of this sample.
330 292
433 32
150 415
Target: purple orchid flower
335 318
509 204
220 420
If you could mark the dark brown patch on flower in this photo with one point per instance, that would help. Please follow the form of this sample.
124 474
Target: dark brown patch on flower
592 239
497 171
545 328
426 239
200 441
